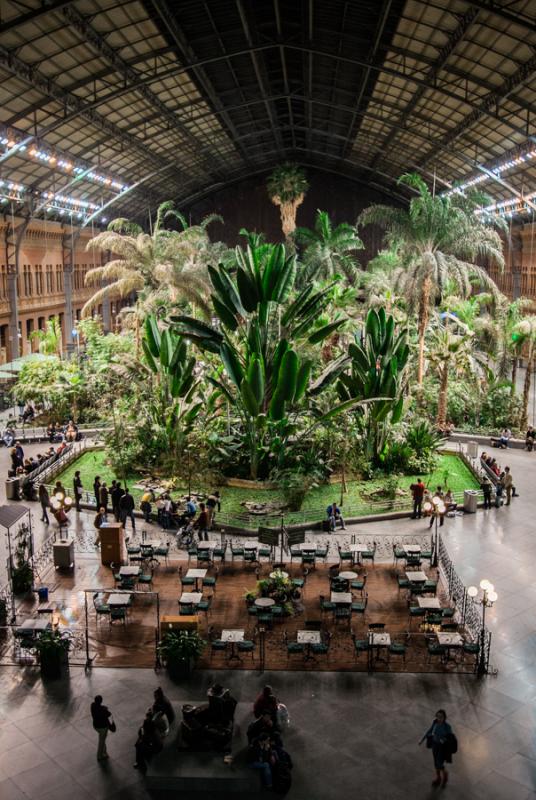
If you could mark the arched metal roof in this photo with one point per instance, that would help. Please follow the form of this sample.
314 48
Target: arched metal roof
125 103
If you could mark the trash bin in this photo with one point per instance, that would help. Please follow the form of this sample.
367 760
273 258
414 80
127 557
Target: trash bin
472 449
12 489
42 593
470 501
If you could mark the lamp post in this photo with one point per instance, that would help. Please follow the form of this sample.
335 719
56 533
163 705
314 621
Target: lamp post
487 599
437 508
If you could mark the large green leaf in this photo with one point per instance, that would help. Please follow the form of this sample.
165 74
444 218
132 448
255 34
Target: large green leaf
152 335
149 356
227 318
179 354
277 407
248 291
232 364
221 388
248 398
194 327
323 333
256 379
302 380
165 347
285 282
330 374
288 376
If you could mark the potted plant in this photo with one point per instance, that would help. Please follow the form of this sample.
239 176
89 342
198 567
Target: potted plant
52 648
22 578
179 651
250 596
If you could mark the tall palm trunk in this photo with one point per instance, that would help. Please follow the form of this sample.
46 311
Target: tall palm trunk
424 316
514 375
442 400
526 387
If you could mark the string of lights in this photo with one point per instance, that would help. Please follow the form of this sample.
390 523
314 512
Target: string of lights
60 203
494 171
38 151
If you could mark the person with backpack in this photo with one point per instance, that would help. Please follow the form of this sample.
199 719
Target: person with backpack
441 741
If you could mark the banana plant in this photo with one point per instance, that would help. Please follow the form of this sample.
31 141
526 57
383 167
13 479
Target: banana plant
176 403
264 337
378 359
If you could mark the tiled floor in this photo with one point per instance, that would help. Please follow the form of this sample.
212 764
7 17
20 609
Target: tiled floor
350 734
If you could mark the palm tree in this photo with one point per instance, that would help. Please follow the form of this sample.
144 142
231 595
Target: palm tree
328 251
507 317
437 238
450 351
153 265
524 335
287 186
50 339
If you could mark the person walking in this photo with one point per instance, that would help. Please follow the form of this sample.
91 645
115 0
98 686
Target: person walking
442 742
417 489
19 452
486 491
101 714
201 523
44 500
126 509
103 497
96 490
100 517
116 493
77 489
507 483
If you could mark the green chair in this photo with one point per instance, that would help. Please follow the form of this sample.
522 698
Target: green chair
471 649
369 555
204 557
426 555
296 554
218 646
322 648
397 649
416 612
118 615
326 605
253 611
204 606
434 619
403 583
250 556
360 608
359 585
265 552
277 612
101 609
435 649
309 559
192 552
184 580
293 648
413 562
322 552
236 552
398 554
210 582
448 627
298 583
430 587
448 613
360 646
133 550
163 552
247 646
146 580
264 618
343 614
219 553
186 609
127 584
345 555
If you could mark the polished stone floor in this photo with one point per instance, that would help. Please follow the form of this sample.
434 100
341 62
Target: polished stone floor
350 734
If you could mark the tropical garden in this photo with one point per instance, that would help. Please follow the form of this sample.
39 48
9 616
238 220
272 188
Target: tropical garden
293 365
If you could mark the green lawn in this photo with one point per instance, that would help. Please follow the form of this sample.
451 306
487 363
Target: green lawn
355 501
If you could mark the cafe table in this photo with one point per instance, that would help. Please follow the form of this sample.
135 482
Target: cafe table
429 603
357 549
196 574
212 545
379 640
348 575
251 545
232 636
129 572
35 625
411 548
450 641
416 577
119 599
264 602
190 598
308 638
341 598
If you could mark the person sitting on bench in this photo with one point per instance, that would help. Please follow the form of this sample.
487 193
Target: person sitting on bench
334 516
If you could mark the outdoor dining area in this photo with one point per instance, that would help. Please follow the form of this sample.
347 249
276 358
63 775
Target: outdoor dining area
313 605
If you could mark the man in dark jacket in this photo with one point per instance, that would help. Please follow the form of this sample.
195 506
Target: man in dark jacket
100 714
116 493
126 509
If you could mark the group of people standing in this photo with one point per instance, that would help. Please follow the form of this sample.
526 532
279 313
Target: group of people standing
421 496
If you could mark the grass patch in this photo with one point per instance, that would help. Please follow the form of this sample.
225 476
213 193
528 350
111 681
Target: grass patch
459 477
